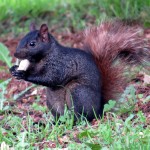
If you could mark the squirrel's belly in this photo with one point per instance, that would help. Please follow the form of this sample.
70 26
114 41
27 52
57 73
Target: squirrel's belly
56 99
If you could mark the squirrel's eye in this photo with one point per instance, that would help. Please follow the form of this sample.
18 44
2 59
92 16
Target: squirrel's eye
32 44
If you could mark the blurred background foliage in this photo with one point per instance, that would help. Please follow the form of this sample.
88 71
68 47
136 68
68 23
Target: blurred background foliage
16 15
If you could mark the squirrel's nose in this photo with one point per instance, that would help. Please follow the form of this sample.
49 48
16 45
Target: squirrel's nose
20 55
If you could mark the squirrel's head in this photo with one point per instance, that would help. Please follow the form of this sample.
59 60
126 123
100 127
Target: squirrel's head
35 44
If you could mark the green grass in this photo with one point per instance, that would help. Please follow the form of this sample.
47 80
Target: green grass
123 129
69 13
109 133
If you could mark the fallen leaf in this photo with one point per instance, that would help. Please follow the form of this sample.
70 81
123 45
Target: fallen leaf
146 79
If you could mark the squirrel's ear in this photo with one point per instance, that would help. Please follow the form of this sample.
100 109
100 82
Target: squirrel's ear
44 33
32 26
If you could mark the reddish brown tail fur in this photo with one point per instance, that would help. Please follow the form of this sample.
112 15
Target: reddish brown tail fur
113 41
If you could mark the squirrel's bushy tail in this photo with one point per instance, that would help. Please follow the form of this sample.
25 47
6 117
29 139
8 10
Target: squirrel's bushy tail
112 41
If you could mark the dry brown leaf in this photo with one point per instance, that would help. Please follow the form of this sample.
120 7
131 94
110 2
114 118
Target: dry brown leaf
4 146
146 79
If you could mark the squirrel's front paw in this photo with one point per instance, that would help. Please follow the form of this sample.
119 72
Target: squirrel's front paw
18 74
13 69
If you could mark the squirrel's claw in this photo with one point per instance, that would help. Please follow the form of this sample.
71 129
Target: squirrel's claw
18 74
13 69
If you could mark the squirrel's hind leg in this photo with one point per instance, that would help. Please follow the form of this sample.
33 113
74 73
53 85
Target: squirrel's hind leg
86 102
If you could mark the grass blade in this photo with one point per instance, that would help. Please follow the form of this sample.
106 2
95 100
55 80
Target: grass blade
4 55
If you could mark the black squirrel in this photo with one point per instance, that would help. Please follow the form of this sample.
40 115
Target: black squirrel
83 79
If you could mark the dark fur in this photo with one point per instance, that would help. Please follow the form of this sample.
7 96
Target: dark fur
70 75
74 77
